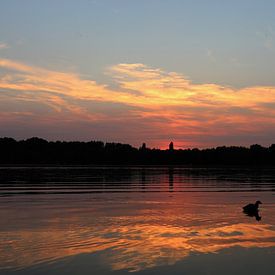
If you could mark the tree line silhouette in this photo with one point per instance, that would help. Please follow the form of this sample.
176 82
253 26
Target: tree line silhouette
39 151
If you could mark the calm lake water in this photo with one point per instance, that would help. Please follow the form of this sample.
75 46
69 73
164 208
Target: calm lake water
114 220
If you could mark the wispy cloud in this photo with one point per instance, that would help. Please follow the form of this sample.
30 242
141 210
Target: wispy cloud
149 104
3 45
268 37
210 54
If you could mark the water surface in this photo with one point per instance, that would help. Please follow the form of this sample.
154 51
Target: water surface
121 220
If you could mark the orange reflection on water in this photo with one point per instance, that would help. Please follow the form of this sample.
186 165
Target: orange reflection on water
132 242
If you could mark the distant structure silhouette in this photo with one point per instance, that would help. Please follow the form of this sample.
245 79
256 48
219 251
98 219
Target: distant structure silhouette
143 147
252 210
171 146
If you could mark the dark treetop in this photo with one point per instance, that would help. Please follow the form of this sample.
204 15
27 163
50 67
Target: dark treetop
39 151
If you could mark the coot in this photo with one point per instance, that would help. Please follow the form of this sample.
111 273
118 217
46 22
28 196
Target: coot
252 207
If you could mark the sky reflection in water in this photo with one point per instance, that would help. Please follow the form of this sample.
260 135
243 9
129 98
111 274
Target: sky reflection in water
46 223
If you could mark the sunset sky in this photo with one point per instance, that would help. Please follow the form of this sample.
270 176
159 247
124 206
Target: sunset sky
198 72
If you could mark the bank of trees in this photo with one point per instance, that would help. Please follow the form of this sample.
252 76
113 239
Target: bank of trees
39 151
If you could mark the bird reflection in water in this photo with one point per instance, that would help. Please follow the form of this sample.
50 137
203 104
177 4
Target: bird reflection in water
252 210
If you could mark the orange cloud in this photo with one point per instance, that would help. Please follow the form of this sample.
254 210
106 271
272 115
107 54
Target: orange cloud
167 102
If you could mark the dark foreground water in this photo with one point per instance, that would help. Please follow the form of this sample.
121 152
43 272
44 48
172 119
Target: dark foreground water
113 220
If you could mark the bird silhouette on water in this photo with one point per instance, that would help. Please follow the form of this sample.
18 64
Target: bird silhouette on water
252 210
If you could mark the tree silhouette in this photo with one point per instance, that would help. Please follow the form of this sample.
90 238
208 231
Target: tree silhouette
39 151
